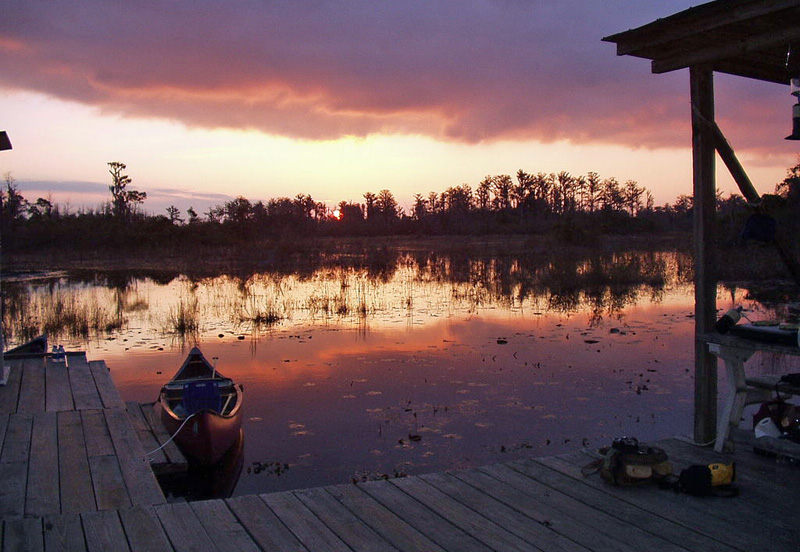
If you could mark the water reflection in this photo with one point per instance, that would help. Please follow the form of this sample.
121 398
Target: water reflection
206 482
92 306
402 363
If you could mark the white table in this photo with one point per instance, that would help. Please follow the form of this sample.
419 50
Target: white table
742 390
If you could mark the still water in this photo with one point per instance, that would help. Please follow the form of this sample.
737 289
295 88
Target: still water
352 374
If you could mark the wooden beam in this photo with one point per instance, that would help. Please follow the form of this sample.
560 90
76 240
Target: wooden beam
695 21
704 185
734 47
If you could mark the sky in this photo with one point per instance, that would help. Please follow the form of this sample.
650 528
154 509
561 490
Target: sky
206 100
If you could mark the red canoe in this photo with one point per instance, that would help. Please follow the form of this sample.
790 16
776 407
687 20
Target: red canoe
204 408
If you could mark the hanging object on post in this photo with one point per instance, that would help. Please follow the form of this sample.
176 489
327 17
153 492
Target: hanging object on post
793 69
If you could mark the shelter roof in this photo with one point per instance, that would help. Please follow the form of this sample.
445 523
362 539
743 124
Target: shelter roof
748 38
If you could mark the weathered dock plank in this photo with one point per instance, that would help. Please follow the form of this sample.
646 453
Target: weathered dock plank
42 496
23 534
77 494
143 530
314 534
543 534
13 478
139 478
95 432
183 528
84 391
222 526
58 392
108 392
9 393
31 391
104 532
17 442
64 533
340 520
383 521
429 522
466 518
171 450
109 487
263 525
145 433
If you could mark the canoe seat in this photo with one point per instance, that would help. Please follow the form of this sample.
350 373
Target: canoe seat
199 395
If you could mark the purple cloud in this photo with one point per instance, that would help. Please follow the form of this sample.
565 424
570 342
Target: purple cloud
477 70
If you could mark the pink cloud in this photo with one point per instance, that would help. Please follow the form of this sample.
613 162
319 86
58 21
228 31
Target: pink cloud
461 71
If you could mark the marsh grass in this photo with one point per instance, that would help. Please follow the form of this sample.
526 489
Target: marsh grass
58 314
184 318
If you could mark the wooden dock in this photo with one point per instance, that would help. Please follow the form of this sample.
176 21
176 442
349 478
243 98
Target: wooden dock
73 477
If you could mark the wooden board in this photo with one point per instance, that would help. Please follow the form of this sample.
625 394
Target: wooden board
263 525
77 494
146 437
31 391
17 442
42 496
314 534
104 532
139 478
95 431
464 517
9 393
23 534
429 522
383 521
105 385
58 392
340 520
222 526
143 530
171 450
13 478
64 533
545 533
109 487
183 529
84 391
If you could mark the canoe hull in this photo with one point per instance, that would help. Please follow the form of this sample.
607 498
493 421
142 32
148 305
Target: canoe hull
207 436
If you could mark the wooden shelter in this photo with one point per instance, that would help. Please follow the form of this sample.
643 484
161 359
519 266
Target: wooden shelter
745 38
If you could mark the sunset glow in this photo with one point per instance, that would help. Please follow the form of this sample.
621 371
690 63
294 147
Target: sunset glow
342 99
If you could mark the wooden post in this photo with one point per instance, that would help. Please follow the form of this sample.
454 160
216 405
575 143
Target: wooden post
704 185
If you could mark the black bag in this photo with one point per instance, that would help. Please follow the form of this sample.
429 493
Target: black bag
699 481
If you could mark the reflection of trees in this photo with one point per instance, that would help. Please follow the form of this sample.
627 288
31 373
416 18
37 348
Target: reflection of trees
353 282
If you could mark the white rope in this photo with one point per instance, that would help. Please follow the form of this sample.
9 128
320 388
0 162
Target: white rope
168 441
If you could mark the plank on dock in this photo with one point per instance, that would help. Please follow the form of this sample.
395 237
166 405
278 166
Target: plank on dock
183 528
263 525
84 389
104 532
382 520
222 526
314 534
429 522
139 479
64 532
23 534
143 530
77 494
58 392
9 393
145 434
31 391
109 394
42 496
340 520
171 450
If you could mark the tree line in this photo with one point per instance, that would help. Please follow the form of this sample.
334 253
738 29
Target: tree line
526 203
